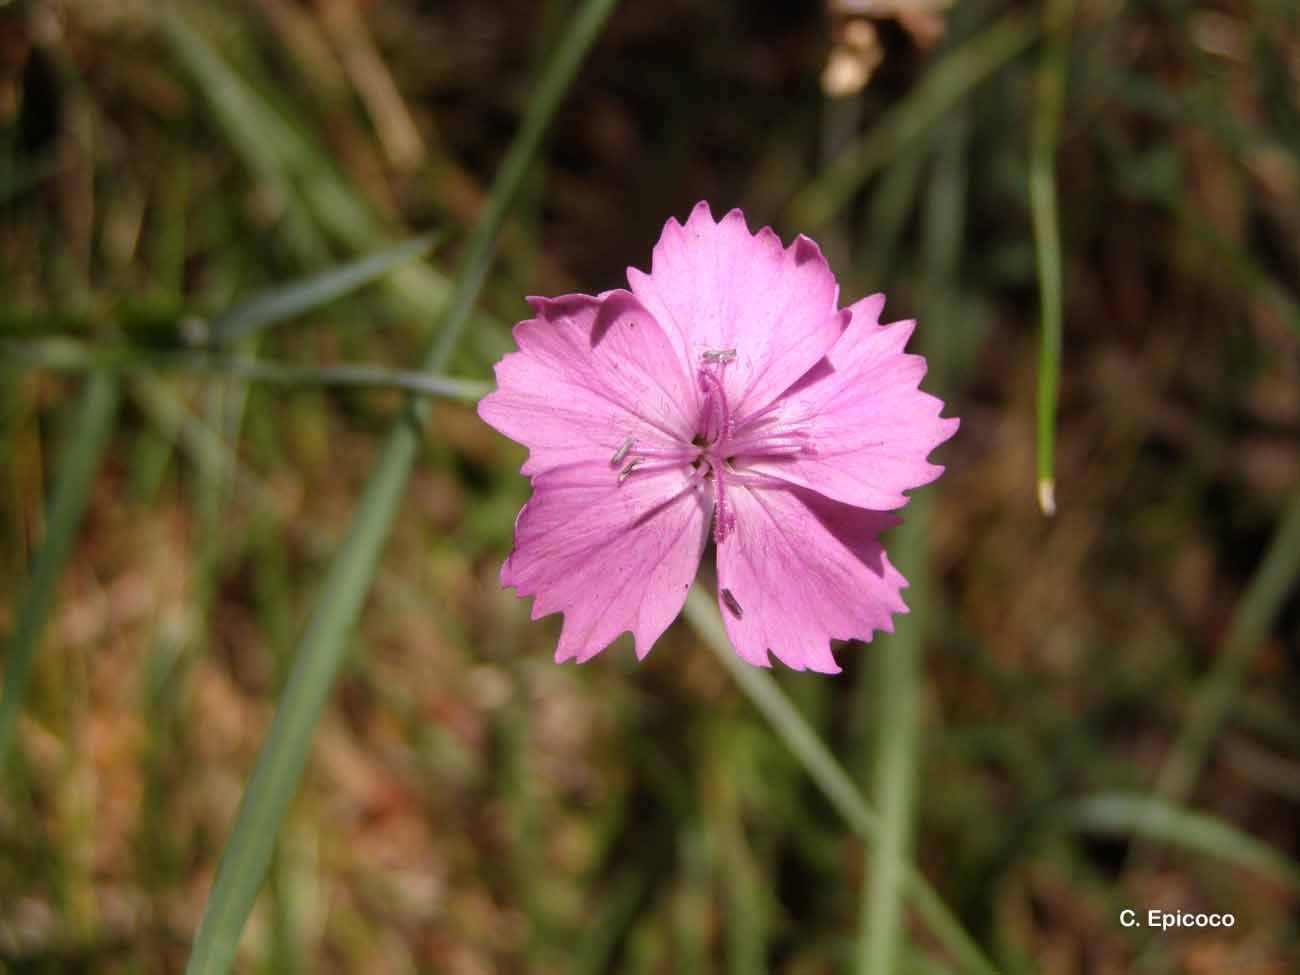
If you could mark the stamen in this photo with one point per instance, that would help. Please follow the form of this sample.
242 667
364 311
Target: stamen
730 601
639 465
683 452
721 356
622 451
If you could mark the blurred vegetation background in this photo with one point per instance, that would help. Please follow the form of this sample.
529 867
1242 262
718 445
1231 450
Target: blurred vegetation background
213 294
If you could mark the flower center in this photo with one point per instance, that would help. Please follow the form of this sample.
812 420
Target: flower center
722 444
717 431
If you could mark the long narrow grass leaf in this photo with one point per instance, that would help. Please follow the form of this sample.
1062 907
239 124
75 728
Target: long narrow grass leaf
256 133
896 662
829 776
300 297
247 855
89 434
1048 108
72 355
319 656
944 85
1166 822
301 175
896 665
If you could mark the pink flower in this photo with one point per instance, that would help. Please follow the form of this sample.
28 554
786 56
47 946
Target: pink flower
724 391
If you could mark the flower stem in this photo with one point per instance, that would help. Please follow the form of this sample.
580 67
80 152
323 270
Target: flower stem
829 776
896 665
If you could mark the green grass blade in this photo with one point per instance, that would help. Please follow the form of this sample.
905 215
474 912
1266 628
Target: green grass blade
790 726
300 297
744 894
1165 822
1269 587
896 666
558 74
280 763
829 776
892 202
319 656
943 86
896 659
90 432
1047 238
318 201
71 355
258 134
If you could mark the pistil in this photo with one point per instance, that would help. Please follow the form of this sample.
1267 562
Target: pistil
718 418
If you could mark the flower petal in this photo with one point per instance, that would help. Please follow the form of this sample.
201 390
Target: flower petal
800 570
715 286
590 373
611 556
868 424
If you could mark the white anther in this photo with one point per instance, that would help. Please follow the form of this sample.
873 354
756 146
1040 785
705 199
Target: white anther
718 355
622 451
626 472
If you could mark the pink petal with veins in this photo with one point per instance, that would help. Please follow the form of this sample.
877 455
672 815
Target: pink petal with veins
611 556
868 427
589 374
715 286
801 570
